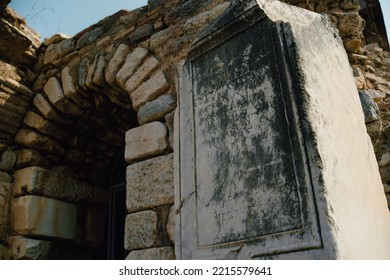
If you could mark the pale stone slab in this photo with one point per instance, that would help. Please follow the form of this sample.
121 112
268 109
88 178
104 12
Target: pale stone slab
48 110
98 76
149 184
37 180
116 63
132 62
161 253
263 172
146 141
149 90
22 248
34 140
142 73
54 92
40 216
34 120
156 109
5 192
141 230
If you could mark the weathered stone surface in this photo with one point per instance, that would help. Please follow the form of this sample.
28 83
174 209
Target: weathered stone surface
40 181
350 24
5 192
170 123
5 177
171 224
7 160
116 63
149 90
384 160
150 184
142 32
146 141
34 140
56 38
59 50
34 120
162 253
370 108
156 109
240 158
142 73
26 158
200 21
69 87
376 95
22 248
46 109
54 92
40 216
98 75
132 62
141 230
90 36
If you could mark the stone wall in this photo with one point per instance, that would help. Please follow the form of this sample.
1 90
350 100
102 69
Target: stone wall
72 106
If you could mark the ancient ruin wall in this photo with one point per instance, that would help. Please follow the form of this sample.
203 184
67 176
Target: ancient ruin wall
70 109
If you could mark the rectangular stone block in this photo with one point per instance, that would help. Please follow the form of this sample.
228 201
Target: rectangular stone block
263 169
141 230
150 184
40 216
149 90
41 181
36 121
133 60
146 141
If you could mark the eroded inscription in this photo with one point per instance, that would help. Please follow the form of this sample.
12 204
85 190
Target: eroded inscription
245 180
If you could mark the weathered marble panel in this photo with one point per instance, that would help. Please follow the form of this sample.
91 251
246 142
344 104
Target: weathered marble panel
251 171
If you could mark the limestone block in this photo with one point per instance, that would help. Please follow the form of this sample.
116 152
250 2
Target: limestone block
156 109
370 108
162 253
34 140
22 248
27 157
171 224
150 184
146 141
132 62
88 79
116 63
90 36
142 32
98 75
59 50
54 92
141 230
56 38
37 180
142 73
48 110
149 90
69 87
34 120
5 192
350 24
7 160
40 216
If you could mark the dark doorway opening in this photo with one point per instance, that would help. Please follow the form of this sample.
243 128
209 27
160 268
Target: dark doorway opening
117 209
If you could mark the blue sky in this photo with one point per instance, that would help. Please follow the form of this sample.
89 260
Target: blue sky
49 17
